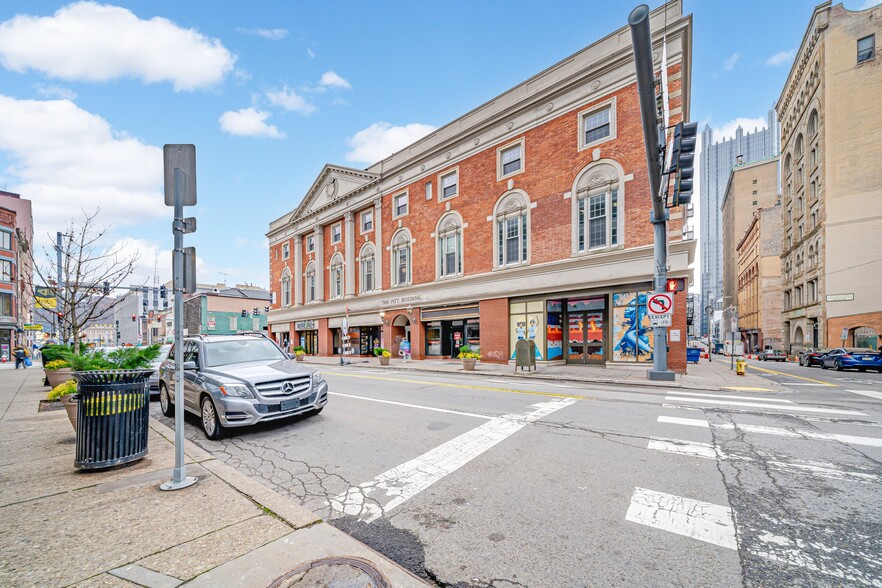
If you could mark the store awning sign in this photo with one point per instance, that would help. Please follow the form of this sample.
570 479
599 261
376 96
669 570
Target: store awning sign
45 297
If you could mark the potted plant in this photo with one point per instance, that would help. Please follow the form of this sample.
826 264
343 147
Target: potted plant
299 353
65 392
469 358
57 371
383 354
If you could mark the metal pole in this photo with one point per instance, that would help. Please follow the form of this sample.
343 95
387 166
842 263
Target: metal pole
641 39
58 307
179 479
732 354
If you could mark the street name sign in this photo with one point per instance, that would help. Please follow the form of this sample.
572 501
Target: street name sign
660 307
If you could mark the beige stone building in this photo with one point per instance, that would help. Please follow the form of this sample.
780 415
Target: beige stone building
831 122
759 281
751 186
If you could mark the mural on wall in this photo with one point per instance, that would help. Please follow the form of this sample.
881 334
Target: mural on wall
633 338
554 335
528 324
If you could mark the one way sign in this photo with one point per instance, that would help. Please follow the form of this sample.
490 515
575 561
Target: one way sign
660 307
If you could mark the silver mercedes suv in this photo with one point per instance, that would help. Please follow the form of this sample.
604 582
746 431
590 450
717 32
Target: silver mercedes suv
239 380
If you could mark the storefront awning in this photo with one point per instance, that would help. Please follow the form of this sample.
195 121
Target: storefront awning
356 320
281 327
449 313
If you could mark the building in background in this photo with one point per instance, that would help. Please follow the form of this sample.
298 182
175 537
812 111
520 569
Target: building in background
227 311
525 218
137 314
10 318
759 281
717 161
16 270
830 115
751 186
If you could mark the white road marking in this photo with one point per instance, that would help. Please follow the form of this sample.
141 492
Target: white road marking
704 521
409 479
801 384
698 395
708 451
561 386
713 523
763 405
867 393
470 414
777 431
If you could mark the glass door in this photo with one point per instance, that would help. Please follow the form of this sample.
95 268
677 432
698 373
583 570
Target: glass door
575 338
586 332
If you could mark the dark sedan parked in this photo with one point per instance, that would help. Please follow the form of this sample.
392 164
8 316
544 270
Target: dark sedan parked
859 358
812 357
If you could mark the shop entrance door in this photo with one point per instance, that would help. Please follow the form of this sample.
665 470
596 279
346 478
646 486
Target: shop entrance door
309 341
457 338
586 331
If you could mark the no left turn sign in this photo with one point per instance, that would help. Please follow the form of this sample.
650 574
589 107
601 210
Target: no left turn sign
661 303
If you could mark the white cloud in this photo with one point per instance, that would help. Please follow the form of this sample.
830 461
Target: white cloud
381 139
92 42
729 64
330 79
269 34
290 100
748 125
249 122
66 159
310 52
240 242
781 58
50 91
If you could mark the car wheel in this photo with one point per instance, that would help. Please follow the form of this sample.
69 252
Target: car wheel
823 365
838 366
165 403
862 370
210 422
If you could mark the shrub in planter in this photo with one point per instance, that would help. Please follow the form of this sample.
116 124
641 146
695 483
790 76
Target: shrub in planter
299 353
64 389
383 354
469 358
57 372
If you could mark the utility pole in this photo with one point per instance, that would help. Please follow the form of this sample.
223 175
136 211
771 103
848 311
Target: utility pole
58 285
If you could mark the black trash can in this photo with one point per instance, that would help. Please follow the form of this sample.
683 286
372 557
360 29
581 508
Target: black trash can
113 417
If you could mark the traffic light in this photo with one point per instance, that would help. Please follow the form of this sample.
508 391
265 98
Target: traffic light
255 311
266 309
673 285
163 292
134 317
244 313
106 288
60 315
683 162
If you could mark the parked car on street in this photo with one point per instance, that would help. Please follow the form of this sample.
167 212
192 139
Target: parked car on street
812 357
859 358
239 380
157 363
772 355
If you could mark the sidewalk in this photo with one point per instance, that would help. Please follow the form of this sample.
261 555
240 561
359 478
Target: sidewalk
714 375
63 527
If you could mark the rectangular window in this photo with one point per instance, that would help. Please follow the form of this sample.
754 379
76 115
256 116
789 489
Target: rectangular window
449 185
428 190
367 221
450 255
400 204
286 251
286 291
6 305
597 125
233 323
5 240
512 240
310 244
614 222
866 48
310 287
336 233
402 265
368 278
582 202
5 270
597 221
510 160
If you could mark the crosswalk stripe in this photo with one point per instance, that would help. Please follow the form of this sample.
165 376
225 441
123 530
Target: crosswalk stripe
777 431
792 407
867 393
699 395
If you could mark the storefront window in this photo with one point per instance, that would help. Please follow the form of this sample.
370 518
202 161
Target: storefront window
527 321
554 331
633 339
433 338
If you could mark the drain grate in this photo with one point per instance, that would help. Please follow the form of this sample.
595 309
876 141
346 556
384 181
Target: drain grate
340 572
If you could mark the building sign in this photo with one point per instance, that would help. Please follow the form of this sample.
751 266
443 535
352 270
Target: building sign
839 297
401 300
212 323
310 325
45 297
33 327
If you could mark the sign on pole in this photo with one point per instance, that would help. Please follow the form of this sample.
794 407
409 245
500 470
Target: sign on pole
179 167
660 308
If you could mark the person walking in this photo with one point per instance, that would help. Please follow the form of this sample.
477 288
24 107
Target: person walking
20 354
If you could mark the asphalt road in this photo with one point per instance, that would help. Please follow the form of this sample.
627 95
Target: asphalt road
520 483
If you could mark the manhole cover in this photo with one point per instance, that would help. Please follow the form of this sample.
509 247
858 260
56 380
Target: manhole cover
333 572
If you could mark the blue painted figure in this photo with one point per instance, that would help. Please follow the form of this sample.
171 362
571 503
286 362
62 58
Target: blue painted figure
635 340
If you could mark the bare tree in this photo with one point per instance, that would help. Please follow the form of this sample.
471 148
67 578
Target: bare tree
89 272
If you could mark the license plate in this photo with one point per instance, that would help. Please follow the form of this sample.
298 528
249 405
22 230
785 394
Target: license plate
867 358
290 404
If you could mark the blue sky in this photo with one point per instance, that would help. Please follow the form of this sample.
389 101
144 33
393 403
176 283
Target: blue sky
271 91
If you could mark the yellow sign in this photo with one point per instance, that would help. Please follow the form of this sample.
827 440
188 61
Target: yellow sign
45 298
33 327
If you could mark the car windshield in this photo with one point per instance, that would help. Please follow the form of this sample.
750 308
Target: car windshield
241 351
859 350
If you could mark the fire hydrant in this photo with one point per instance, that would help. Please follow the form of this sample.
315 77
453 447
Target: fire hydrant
740 366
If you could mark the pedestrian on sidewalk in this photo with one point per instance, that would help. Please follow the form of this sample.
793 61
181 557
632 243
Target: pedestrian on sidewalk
20 354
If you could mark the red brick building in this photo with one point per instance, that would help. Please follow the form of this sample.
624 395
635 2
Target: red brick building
526 218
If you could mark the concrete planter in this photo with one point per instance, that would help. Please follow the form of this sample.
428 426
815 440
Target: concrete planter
57 377
69 402
384 360
299 357
468 363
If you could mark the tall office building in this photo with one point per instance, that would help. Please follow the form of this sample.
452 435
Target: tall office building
717 161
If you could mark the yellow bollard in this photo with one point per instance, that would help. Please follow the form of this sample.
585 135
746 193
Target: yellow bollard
740 366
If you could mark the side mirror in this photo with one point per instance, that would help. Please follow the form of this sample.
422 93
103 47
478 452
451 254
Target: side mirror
189 365
292 356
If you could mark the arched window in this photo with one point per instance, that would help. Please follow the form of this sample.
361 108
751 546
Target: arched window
813 159
401 275
799 148
449 243
337 276
813 191
286 287
813 123
798 264
310 281
511 224
598 218
788 161
811 256
800 206
366 265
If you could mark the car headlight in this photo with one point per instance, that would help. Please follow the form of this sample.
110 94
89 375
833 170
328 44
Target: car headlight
317 377
238 390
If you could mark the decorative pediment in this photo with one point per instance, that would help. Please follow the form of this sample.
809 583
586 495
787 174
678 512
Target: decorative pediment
334 184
